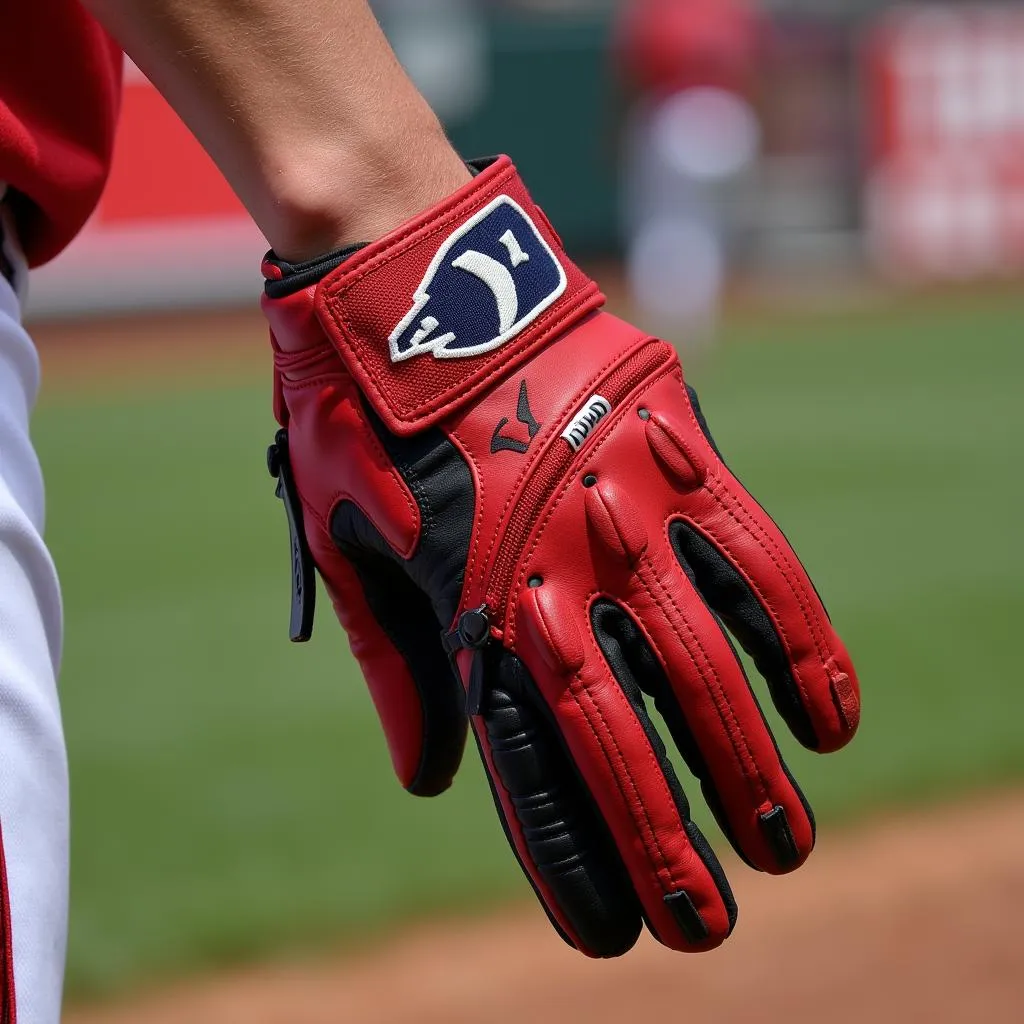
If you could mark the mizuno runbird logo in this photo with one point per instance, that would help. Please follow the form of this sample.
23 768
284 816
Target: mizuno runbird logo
489 280
584 422
501 442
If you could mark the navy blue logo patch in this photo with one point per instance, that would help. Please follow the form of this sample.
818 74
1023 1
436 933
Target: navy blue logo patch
490 279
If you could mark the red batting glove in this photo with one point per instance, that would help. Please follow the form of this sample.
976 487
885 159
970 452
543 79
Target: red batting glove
492 475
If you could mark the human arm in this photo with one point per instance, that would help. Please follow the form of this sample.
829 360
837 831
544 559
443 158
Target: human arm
303 107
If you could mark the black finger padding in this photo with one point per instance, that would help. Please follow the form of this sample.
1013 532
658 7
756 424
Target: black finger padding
568 845
775 826
687 916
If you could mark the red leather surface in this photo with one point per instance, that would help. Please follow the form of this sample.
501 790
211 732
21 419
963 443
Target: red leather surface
559 381
335 453
394 692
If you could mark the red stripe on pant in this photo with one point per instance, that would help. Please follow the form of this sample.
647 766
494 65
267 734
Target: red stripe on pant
8 1013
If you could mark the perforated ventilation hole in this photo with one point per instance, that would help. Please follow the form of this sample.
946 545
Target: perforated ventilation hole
535 581
644 414
589 480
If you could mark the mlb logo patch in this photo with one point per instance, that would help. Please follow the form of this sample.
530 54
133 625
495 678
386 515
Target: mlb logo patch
489 280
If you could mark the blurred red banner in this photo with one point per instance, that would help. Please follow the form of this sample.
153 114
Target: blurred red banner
160 172
944 90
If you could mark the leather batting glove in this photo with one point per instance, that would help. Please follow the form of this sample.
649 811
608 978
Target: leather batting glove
518 512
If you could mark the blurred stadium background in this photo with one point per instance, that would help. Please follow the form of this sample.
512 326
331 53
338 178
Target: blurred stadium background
233 801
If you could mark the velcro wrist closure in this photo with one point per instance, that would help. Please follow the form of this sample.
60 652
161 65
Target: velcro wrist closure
436 312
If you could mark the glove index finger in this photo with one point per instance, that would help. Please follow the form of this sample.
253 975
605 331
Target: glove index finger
392 631
749 574
393 635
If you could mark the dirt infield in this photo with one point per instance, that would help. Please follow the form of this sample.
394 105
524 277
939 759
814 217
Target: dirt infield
136 350
917 918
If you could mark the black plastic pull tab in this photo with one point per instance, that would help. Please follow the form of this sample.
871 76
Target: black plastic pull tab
475 689
473 633
303 577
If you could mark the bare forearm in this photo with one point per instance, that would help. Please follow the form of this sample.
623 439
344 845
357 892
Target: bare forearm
302 105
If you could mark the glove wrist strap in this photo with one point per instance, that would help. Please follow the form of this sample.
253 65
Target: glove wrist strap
432 315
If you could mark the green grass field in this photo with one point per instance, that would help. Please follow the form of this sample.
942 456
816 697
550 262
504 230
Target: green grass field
232 794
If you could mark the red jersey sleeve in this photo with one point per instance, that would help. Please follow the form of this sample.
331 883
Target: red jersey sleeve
60 86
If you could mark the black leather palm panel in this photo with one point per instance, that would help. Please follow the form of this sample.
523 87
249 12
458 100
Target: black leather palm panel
638 671
569 847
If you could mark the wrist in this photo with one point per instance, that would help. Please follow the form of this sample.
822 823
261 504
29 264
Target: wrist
322 200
